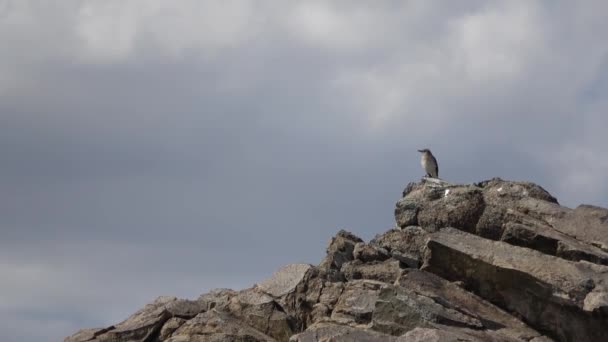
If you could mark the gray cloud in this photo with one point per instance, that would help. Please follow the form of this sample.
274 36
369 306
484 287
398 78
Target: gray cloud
154 148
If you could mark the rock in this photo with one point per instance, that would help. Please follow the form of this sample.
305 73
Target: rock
217 326
512 255
262 312
435 205
169 327
217 298
87 334
385 271
506 193
586 223
458 207
326 332
285 280
451 295
366 253
400 310
547 240
339 251
442 334
405 245
289 287
331 293
546 291
147 322
357 302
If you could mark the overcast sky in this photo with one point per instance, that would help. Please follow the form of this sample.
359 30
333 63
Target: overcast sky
169 147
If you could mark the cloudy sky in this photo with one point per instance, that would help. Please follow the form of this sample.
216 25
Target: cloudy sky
154 147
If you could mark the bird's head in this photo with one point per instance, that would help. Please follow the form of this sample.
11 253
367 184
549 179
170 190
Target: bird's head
426 150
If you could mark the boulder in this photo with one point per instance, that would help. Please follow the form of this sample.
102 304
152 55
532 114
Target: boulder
217 326
357 302
325 332
546 291
339 250
466 262
263 313
385 271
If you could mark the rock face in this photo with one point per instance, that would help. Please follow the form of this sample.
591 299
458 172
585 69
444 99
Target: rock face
492 261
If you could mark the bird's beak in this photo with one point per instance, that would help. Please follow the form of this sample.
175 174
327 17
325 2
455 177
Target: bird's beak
420 151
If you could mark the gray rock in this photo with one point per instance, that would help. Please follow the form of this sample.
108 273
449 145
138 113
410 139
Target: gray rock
285 280
586 223
217 298
326 332
450 295
87 334
218 326
169 327
357 302
399 310
405 244
547 240
513 255
442 334
546 291
261 312
145 323
366 253
385 271
339 250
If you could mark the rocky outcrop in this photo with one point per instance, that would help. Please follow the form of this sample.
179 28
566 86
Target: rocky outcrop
492 261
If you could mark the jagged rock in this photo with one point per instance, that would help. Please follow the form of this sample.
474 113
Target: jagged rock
326 332
217 298
339 251
87 334
289 286
217 326
404 245
262 312
453 296
285 280
586 223
433 205
443 334
547 291
366 253
400 310
148 321
547 240
513 255
357 302
169 327
385 271
497 190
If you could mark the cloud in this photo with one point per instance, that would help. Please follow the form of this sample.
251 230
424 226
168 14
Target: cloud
154 147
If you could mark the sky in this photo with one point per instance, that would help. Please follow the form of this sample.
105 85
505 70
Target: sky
155 147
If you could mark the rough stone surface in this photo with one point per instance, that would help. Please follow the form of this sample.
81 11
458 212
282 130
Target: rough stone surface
285 280
325 332
466 262
547 291
366 253
357 301
218 326
586 223
385 271
339 251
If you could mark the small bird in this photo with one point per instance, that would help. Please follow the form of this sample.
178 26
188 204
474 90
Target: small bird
429 163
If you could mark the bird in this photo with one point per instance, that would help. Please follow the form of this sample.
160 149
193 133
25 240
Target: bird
429 163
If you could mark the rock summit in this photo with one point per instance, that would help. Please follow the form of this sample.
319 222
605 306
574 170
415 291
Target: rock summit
492 261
